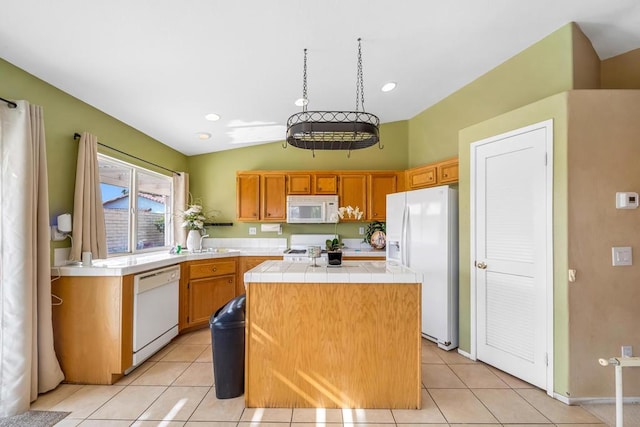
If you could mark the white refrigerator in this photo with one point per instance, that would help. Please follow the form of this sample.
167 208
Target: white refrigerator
422 234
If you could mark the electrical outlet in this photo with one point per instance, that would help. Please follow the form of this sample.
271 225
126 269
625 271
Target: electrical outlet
252 231
361 231
56 235
627 351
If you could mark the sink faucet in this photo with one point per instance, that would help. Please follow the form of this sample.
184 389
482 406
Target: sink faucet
202 237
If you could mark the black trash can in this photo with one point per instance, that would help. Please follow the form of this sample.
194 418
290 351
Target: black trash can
227 345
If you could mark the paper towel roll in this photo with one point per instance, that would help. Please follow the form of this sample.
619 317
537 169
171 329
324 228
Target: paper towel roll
64 223
273 228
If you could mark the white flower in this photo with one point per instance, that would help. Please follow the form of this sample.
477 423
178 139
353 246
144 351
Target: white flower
336 217
193 218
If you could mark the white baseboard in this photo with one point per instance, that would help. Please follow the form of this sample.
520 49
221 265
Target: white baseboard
594 400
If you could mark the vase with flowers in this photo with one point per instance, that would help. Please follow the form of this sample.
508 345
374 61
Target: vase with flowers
334 246
193 220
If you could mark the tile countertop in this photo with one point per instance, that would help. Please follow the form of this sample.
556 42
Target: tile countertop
348 272
132 264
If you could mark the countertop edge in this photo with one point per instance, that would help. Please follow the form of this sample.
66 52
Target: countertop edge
133 264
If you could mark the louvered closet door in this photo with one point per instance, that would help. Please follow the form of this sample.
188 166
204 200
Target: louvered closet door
510 263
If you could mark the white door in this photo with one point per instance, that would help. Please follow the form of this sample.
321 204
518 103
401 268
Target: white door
511 189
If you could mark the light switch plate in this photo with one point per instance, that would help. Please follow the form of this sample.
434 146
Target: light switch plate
621 255
252 231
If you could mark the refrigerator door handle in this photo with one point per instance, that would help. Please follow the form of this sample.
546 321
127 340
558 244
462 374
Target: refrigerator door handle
404 256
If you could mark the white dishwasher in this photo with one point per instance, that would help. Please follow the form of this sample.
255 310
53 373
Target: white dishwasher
155 311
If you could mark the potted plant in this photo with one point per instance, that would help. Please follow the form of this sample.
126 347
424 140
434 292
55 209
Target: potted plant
334 246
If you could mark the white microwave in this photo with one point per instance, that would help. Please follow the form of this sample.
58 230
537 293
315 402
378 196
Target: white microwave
312 209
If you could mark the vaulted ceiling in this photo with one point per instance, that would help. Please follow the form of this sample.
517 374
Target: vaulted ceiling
161 66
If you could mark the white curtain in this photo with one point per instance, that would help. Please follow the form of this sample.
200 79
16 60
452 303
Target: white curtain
28 363
89 232
180 200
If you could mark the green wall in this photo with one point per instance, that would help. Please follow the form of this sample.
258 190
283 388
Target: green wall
212 176
63 116
544 69
554 107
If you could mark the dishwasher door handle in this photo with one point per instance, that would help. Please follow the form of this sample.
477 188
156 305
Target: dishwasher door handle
147 282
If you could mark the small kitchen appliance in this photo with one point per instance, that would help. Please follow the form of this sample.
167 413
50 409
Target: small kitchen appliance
312 209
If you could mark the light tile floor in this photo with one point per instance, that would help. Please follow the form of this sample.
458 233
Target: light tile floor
175 388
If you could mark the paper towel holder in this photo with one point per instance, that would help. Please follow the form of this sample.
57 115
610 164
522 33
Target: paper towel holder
271 228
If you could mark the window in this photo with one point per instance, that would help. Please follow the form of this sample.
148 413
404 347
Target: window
139 223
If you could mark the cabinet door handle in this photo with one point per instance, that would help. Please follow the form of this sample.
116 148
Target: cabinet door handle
481 265
230 281
214 269
445 175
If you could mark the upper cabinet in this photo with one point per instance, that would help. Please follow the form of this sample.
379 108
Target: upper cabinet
380 184
325 183
448 171
299 183
273 197
353 192
262 195
445 172
248 196
423 176
311 182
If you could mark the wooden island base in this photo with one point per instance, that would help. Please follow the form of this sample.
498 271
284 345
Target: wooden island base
333 345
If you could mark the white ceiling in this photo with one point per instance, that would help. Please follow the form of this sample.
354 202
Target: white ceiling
161 65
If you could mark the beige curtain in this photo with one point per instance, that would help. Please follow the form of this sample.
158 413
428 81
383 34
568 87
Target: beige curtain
180 201
28 363
88 233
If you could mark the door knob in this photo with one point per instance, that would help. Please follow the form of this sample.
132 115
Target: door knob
481 265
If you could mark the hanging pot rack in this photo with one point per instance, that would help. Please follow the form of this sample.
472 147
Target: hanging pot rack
334 130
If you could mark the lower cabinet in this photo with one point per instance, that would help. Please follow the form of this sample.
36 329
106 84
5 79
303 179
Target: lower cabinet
246 264
93 327
206 286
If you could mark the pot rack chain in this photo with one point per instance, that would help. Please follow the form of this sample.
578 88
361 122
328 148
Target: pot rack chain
305 100
359 79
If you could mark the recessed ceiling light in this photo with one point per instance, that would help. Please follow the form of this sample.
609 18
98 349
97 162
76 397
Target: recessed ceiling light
212 117
203 135
388 87
300 102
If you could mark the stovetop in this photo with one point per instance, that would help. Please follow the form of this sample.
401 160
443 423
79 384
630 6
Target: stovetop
298 244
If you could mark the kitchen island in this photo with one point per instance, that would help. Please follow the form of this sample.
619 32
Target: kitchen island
345 337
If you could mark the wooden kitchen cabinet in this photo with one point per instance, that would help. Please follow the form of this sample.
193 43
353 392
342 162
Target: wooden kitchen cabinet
353 192
299 183
93 327
448 171
312 183
246 264
209 284
380 184
420 177
248 197
273 197
261 196
445 172
324 183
